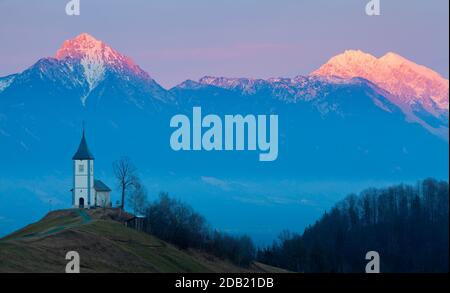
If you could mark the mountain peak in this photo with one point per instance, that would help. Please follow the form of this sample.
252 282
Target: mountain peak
393 55
411 83
395 60
81 46
86 37
96 53
97 58
356 54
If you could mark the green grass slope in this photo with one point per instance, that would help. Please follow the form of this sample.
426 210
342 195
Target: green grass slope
104 245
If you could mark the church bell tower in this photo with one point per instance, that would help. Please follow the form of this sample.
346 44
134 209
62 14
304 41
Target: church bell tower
83 192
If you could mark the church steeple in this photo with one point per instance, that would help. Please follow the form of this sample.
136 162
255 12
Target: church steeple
83 152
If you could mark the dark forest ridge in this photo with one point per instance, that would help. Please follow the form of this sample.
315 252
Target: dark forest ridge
407 225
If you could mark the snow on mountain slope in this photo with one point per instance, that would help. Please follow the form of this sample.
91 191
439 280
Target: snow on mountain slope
411 87
411 82
96 54
319 92
6 82
421 93
88 68
96 59
299 88
401 77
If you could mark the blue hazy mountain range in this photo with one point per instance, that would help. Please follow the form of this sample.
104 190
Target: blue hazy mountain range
335 136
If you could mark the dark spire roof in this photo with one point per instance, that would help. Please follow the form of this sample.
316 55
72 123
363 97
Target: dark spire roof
83 152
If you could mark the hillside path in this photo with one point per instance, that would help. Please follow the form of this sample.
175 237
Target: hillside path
86 219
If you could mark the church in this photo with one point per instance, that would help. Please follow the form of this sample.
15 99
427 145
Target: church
87 192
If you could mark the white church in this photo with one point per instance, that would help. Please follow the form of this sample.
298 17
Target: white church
87 192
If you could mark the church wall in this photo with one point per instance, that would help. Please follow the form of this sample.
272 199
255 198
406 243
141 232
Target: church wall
103 199
84 182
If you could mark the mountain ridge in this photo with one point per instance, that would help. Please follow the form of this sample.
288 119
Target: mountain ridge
419 82
413 88
419 91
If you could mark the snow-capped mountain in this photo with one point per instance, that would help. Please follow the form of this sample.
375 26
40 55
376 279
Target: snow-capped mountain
419 91
401 77
314 90
96 57
86 65
299 88
328 124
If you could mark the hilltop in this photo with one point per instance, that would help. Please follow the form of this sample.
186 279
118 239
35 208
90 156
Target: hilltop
104 245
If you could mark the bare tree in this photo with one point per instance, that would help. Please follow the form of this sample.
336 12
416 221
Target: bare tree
125 173
137 197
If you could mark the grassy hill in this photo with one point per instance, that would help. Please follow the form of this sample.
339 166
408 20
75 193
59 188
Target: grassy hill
104 245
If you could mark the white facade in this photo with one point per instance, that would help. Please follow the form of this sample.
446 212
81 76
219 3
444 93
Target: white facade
102 199
83 191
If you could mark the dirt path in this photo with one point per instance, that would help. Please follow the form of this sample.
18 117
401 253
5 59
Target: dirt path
82 213
86 219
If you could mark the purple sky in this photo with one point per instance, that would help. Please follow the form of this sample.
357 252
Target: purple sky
177 40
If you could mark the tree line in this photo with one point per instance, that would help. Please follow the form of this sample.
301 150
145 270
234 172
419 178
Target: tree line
176 222
407 225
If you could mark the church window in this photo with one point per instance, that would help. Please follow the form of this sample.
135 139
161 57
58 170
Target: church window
80 168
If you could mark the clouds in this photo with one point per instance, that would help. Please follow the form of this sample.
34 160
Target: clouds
45 189
318 195
216 182
272 192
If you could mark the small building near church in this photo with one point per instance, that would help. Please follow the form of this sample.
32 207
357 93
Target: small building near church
137 222
87 192
102 194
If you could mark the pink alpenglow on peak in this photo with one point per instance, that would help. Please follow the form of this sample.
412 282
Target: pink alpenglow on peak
408 81
410 86
97 59
96 54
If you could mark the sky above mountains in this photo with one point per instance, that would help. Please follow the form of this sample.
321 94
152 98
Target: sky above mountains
179 40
